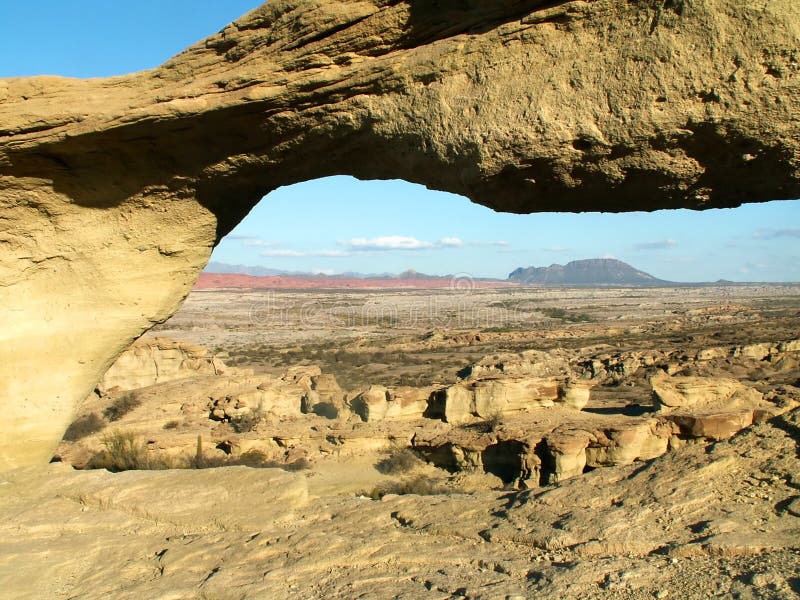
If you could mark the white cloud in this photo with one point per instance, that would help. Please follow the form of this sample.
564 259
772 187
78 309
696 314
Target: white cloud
302 254
771 234
240 236
389 242
256 243
497 244
289 253
656 245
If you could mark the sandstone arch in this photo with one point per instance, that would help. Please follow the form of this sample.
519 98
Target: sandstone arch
113 192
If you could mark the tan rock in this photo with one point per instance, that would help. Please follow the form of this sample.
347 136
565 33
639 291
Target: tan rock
372 404
486 397
157 360
575 394
642 440
713 426
566 453
686 392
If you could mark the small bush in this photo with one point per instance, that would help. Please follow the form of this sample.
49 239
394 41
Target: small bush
124 452
84 426
490 424
493 421
247 421
174 424
121 406
564 315
398 460
255 459
420 485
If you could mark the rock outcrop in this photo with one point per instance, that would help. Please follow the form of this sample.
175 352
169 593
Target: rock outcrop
157 360
700 522
114 191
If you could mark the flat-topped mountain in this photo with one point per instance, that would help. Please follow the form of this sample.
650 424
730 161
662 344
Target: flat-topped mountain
593 271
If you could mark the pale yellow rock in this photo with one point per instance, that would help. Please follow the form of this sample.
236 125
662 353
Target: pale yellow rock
671 393
150 361
487 397
575 394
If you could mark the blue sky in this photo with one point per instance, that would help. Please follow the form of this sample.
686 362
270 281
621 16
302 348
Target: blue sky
340 224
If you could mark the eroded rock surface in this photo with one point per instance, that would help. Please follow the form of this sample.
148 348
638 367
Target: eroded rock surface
698 522
114 191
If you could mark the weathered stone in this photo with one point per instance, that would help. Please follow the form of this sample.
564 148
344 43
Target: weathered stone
624 445
116 190
683 392
575 394
714 426
157 360
487 397
372 404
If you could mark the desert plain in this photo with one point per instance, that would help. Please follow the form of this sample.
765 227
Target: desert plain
468 441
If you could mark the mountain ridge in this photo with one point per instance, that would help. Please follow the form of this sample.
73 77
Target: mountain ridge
590 272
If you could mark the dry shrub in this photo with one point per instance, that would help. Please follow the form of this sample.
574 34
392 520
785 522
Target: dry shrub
398 460
124 452
84 426
174 424
247 421
420 485
121 406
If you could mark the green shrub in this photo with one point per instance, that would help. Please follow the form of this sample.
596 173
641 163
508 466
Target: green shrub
564 315
84 426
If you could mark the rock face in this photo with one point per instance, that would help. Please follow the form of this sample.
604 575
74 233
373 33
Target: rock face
151 361
593 271
674 393
114 191
487 397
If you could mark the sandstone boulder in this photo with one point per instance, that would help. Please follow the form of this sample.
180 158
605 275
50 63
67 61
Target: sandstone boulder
371 404
575 393
713 426
642 440
157 360
486 397
531 363
699 393
379 403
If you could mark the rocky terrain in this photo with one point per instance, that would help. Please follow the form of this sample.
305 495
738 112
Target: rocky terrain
650 467
489 445
116 190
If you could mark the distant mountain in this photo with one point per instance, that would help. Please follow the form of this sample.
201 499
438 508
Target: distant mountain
589 272
257 271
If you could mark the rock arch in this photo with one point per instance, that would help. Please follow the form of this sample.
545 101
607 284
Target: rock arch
114 191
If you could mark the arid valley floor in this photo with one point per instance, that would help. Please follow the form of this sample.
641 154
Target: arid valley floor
466 442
